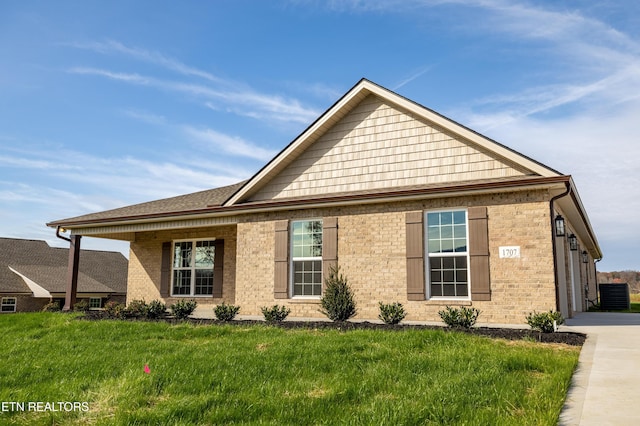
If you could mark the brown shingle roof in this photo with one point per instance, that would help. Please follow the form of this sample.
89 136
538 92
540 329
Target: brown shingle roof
190 202
100 271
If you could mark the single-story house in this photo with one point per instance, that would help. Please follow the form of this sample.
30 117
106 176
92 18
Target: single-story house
33 274
414 208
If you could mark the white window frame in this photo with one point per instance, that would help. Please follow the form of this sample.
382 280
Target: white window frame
192 268
302 259
92 299
4 303
464 254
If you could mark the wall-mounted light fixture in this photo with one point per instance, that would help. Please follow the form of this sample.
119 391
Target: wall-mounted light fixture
559 222
585 257
573 242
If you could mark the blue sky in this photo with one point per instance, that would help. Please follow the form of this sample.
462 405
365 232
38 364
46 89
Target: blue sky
105 104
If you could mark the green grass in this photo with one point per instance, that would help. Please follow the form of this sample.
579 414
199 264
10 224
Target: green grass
634 306
266 375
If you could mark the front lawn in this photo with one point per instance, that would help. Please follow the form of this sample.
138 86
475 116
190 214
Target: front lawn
267 375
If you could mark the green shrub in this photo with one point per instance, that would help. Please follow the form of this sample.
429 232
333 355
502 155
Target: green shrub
183 308
136 309
115 310
52 306
275 313
337 302
461 317
544 321
156 309
391 313
81 306
226 312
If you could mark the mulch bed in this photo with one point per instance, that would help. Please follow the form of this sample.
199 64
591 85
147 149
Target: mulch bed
568 338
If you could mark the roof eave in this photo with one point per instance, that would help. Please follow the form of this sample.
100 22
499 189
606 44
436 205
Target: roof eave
329 201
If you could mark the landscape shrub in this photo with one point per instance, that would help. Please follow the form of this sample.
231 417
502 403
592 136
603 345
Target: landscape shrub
115 310
275 313
461 317
136 309
544 321
183 308
337 302
391 313
156 309
226 312
81 306
52 306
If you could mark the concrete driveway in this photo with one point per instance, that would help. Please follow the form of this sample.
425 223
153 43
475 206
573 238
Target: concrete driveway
606 387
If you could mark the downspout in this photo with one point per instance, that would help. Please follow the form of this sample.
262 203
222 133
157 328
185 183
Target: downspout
553 242
595 271
72 271
62 237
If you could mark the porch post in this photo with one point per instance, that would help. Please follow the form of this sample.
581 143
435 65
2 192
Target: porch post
72 273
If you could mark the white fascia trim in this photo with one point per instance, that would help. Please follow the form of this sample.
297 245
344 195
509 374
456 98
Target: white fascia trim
38 291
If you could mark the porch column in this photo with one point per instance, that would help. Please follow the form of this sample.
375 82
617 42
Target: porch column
72 273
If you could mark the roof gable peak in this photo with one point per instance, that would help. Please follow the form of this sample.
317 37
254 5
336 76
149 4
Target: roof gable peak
351 100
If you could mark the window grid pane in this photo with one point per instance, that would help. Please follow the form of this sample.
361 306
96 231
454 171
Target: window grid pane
306 259
447 251
448 276
204 282
307 238
193 263
8 304
205 253
447 232
182 254
307 277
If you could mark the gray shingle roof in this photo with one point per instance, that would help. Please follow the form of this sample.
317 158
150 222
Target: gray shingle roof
100 271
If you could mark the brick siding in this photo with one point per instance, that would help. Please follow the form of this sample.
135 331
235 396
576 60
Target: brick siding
371 253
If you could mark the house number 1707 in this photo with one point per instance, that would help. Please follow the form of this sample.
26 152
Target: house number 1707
509 252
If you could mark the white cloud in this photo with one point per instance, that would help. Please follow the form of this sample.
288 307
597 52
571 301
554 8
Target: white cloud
129 78
145 117
414 75
242 102
230 144
237 97
599 149
112 46
214 141
116 181
32 163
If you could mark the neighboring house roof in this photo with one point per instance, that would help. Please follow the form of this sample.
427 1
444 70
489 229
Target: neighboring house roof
372 145
33 267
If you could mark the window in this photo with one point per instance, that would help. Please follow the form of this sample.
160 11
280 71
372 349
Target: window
8 304
306 259
448 256
95 303
193 263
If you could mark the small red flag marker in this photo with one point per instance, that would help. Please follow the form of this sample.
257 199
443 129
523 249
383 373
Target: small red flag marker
147 370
